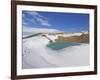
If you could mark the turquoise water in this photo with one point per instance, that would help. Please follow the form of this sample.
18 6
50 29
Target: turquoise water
61 45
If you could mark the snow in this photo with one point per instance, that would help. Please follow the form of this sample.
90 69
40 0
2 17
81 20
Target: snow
75 34
37 55
30 30
72 34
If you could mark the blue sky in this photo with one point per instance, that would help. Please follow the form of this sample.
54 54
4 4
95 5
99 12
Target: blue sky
67 22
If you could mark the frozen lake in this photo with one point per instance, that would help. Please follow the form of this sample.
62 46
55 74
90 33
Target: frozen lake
61 45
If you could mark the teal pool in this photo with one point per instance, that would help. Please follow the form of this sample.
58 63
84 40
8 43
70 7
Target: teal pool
61 45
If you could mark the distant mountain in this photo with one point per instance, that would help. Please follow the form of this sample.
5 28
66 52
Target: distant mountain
30 30
85 32
40 30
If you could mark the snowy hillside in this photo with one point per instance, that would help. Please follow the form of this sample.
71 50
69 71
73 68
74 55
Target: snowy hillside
37 55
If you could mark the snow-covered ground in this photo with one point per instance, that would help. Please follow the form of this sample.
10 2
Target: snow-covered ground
37 55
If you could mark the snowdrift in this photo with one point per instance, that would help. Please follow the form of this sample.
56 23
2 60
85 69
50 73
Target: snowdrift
37 55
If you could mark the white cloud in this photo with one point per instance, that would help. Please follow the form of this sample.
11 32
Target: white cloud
38 18
42 21
33 13
46 24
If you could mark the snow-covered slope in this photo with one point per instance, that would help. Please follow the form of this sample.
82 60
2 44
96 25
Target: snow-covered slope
37 55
